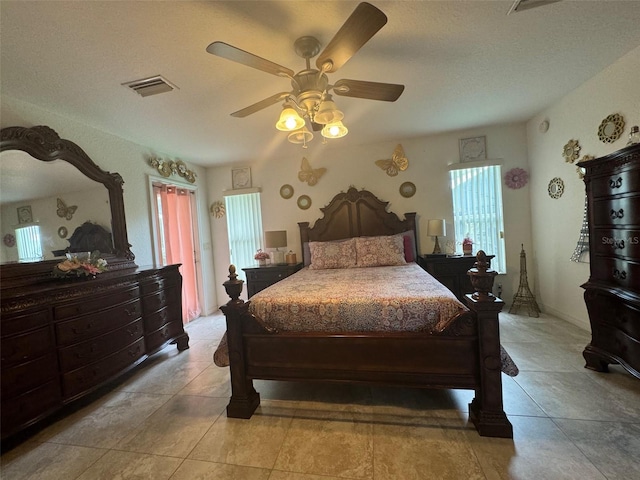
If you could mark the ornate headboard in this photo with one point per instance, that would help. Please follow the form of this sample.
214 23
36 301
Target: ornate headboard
355 214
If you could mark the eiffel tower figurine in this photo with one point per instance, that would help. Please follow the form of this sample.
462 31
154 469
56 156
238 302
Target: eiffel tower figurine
583 240
524 297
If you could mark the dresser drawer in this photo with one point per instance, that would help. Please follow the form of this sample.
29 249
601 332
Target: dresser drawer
88 326
26 346
608 309
620 242
158 319
89 376
614 271
24 321
95 304
158 338
154 302
18 412
617 211
623 181
148 286
92 350
28 375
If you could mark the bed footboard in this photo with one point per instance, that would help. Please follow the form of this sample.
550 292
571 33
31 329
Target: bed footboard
467 356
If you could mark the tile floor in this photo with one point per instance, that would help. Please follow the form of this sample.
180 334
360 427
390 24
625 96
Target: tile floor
167 421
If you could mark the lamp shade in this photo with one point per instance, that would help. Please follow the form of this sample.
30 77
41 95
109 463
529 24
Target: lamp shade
289 120
334 130
275 239
436 228
301 136
328 112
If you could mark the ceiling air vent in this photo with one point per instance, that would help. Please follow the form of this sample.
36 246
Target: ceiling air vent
150 86
521 5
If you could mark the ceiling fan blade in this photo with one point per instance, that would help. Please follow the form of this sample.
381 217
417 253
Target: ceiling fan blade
364 23
388 92
234 54
267 102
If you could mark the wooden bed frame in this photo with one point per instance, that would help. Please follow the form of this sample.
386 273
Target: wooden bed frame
466 355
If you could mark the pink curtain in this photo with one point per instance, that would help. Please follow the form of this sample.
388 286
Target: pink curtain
175 221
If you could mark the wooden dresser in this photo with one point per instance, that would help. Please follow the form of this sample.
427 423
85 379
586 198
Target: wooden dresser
63 339
612 294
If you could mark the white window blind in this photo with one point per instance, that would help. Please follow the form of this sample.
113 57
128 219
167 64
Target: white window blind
29 244
477 210
244 228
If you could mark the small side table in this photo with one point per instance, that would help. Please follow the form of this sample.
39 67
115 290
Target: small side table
451 271
259 278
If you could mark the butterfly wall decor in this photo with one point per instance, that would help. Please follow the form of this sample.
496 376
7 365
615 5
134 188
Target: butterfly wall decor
64 211
397 163
308 174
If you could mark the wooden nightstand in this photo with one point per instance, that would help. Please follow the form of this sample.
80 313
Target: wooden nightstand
259 278
451 271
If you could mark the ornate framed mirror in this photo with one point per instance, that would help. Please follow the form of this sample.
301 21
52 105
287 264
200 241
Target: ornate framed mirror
44 145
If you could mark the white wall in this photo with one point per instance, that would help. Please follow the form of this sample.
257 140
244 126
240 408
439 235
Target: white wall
556 223
115 154
428 161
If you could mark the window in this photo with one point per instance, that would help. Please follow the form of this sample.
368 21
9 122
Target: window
244 228
29 244
477 210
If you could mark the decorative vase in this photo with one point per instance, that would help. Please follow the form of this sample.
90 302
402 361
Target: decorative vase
467 249
262 262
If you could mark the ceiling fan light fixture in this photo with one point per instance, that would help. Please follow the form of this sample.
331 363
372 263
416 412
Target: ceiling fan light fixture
334 130
301 136
289 120
328 112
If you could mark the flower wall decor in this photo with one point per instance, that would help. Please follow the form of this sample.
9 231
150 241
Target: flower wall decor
166 168
516 178
79 265
571 151
611 128
217 209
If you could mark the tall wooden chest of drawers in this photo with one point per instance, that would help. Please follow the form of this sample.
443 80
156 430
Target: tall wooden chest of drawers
612 294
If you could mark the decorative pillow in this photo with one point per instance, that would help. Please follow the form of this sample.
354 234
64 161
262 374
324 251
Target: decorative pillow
341 254
380 251
410 253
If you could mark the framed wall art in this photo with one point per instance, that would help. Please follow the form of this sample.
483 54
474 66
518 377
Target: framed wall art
473 148
24 214
241 177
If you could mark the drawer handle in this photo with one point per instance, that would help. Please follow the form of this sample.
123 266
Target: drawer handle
133 353
78 331
130 312
615 183
92 349
618 214
618 245
619 274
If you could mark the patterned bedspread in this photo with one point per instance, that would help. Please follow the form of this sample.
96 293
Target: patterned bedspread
394 298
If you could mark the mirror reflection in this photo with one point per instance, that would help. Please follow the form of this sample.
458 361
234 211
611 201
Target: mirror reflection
38 200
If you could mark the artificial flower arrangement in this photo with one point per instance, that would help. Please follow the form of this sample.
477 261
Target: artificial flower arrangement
80 264
260 255
467 246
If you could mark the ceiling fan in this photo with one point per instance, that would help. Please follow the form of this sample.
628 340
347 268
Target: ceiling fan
310 97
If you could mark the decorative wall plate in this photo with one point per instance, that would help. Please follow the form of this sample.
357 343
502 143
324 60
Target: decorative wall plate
544 126
556 188
63 232
304 202
286 191
407 189
516 178
571 151
611 128
9 240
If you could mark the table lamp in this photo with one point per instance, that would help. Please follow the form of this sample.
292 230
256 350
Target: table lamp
436 228
276 239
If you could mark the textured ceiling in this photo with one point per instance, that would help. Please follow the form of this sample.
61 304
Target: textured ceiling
464 64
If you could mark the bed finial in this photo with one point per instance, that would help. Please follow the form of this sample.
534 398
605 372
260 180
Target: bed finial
233 286
482 277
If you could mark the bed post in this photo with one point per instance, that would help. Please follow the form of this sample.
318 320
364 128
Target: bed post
244 398
486 411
